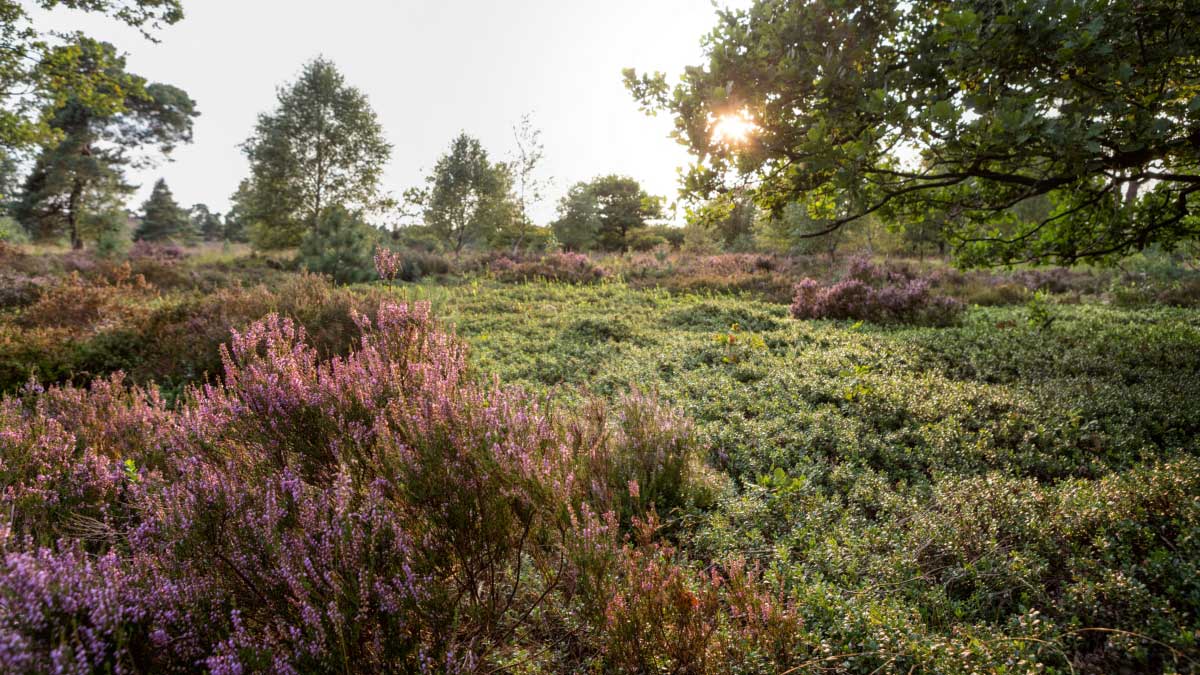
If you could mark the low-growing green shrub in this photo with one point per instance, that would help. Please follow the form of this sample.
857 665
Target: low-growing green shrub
590 330
340 247
709 317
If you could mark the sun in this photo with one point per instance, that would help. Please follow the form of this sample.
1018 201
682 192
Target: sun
733 128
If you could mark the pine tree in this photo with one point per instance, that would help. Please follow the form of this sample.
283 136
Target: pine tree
341 246
207 224
79 172
162 218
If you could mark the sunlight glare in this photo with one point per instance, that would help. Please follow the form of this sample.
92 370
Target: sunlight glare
733 128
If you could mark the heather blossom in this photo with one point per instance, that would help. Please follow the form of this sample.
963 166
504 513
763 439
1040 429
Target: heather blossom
873 294
563 266
382 510
388 263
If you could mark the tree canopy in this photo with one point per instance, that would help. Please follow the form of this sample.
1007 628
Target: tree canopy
965 108
528 187
321 147
80 169
206 223
605 213
469 197
40 72
162 217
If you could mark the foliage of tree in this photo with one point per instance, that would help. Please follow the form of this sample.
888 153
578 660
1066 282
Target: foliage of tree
98 134
902 107
162 217
109 228
578 221
10 180
40 71
673 235
341 246
322 147
729 220
604 213
791 232
11 231
238 218
206 224
469 200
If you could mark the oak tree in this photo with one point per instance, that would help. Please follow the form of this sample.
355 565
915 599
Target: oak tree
961 109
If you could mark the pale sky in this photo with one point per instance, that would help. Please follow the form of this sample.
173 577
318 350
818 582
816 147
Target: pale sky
431 68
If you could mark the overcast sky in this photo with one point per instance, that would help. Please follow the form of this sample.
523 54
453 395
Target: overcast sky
431 68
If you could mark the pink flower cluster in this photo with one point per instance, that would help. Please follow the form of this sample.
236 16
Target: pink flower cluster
566 266
158 251
382 511
873 294
388 263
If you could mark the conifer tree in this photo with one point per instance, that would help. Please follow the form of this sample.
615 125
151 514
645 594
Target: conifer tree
162 218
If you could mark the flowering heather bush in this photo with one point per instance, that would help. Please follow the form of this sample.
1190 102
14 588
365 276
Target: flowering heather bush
158 251
862 268
18 290
642 456
734 263
567 267
381 510
321 576
69 457
1060 280
410 265
388 264
767 276
67 612
661 616
874 294
172 341
80 304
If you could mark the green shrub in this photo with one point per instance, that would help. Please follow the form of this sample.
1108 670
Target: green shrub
341 246
713 317
11 231
593 330
647 456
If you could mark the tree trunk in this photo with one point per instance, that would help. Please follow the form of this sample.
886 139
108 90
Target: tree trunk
320 161
73 214
520 240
